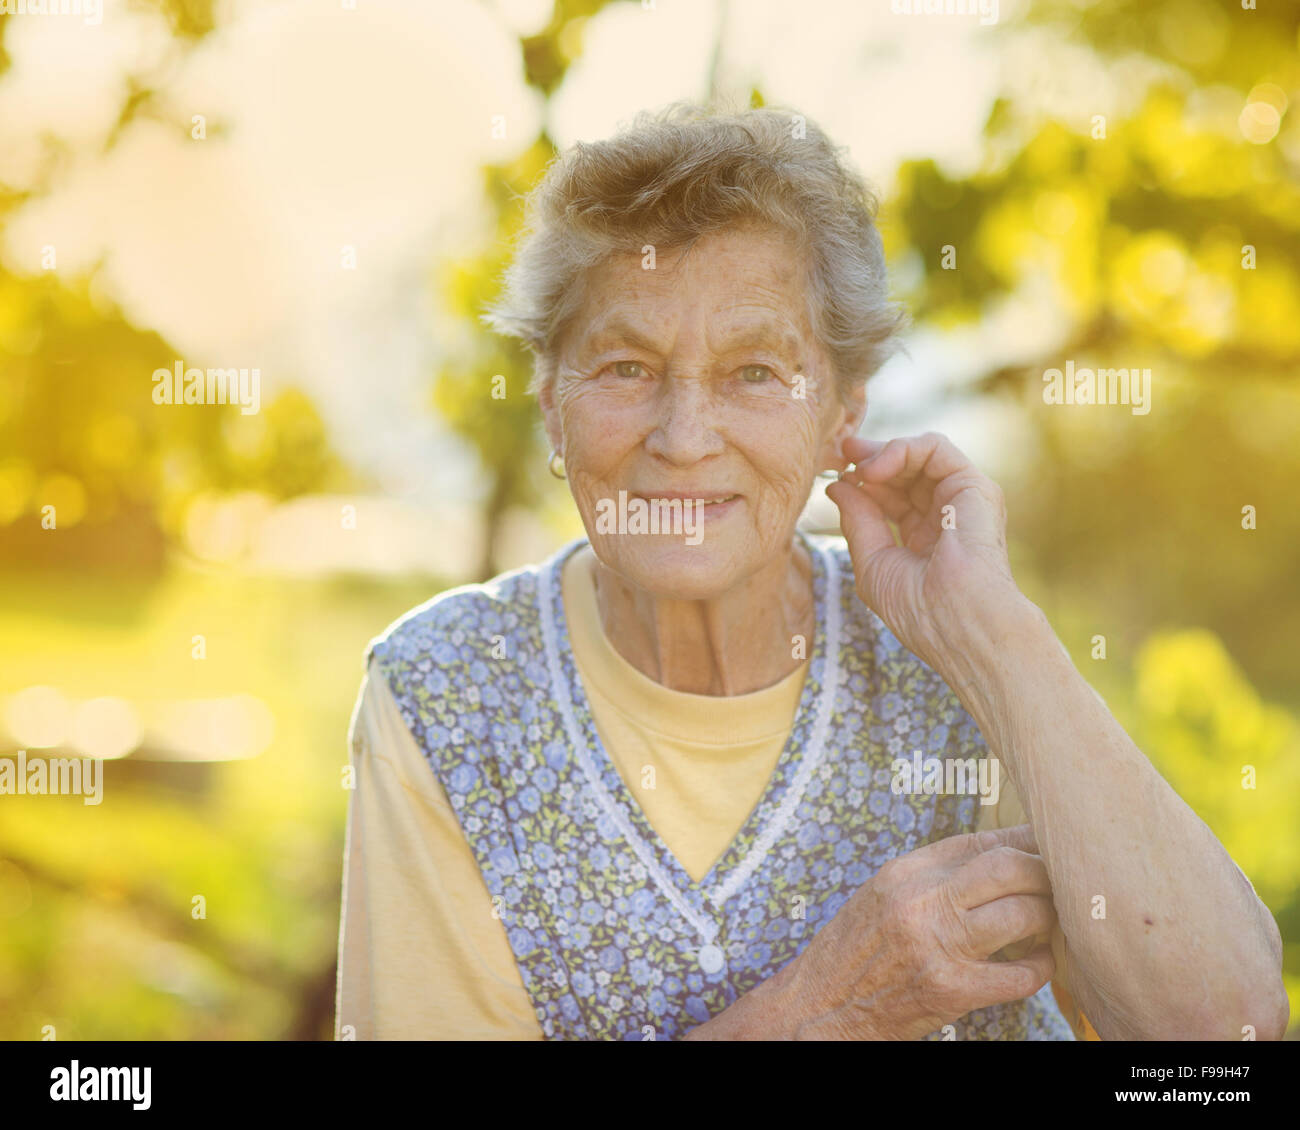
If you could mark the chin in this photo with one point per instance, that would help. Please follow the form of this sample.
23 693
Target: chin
668 567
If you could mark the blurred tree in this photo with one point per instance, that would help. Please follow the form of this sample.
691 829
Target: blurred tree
79 430
1167 240
480 391
78 426
1232 756
479 388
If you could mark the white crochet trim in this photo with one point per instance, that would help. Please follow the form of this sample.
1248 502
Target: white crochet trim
816 747
640 848
776 826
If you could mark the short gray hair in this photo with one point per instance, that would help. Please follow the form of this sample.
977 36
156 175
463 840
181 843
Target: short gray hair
674 176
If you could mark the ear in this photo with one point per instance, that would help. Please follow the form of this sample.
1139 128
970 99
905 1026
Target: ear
850 410
545 374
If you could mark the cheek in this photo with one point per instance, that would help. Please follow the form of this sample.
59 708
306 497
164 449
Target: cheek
588 425
785 446
599 437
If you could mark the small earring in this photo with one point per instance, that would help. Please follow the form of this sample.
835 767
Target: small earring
836 475
555 461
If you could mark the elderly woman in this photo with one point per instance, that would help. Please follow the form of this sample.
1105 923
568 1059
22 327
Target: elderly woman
660 786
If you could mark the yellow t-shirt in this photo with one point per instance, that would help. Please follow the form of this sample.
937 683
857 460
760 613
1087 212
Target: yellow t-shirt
422 951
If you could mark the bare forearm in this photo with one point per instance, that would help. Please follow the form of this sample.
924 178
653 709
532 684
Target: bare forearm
1185 949
769 1011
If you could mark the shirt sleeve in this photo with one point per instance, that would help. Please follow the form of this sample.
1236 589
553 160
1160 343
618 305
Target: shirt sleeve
421 954
1007 813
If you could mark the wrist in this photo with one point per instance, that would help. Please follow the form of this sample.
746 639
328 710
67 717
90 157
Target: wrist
783 1003
994 647
974 618
771 1010
810 1015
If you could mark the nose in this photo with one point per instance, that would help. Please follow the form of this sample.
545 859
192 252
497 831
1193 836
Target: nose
684 432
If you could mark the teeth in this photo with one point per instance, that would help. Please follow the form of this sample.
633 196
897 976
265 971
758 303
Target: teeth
706 501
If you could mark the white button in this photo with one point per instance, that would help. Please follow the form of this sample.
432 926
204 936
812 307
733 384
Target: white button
711 959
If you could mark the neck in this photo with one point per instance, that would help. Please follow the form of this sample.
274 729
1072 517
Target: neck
735 643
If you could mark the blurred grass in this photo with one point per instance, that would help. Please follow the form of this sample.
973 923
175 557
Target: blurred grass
96 915
96 911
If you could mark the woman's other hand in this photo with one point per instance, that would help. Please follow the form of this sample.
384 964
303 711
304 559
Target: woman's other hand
913 949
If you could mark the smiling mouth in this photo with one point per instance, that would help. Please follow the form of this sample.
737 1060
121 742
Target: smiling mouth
715 500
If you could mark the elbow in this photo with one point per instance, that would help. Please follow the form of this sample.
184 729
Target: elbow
1246 999
1269 997
1264 1013
1256 1008
1258 1001
1261 1014
1274 1011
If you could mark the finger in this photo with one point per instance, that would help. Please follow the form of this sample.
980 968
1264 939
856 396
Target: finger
1002 871
966 846
865 524
1017 836
931 455
1000 982
911 504
914 468
931 467
860 447
920 492
918 488
918 531
920 521
891 499
885 462
1006 920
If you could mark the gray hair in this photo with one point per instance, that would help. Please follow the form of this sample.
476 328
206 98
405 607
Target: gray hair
672 177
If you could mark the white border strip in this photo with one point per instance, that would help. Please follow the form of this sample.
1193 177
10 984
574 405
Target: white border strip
794 793
707 928
817 746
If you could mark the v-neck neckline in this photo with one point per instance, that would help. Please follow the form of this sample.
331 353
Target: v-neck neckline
697 720
771 814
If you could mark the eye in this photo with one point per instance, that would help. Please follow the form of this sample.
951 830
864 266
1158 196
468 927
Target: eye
756 374
630 370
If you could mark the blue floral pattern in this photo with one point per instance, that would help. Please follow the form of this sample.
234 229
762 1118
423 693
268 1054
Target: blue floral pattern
612 938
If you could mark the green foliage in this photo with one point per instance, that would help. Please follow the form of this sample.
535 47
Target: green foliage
1169 240
1200 717
480 390
1164 240
79 425
1233 757
497 419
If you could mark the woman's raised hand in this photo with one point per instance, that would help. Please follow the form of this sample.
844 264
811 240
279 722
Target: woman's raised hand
952 522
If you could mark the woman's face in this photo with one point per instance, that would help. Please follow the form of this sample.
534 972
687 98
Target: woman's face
700 379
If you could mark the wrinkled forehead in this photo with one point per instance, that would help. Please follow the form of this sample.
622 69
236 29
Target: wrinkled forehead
736 288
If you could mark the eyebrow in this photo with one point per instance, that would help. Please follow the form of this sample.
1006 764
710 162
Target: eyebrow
764 334
746 336
622 331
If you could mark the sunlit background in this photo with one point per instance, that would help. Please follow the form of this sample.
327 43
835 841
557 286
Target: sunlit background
325 190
